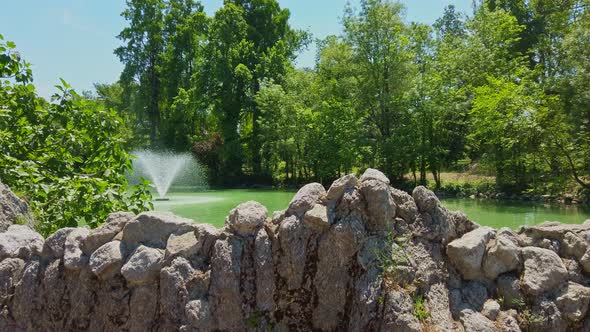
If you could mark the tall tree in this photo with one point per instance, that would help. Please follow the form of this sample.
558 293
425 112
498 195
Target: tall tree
249 41
380 45
142 55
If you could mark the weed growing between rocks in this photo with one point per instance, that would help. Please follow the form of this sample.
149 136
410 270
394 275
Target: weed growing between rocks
420 310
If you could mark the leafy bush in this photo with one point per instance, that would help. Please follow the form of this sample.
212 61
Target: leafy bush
66 157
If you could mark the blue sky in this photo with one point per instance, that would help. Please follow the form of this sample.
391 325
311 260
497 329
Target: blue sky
74 39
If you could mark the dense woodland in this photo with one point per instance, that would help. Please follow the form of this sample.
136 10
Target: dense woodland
501 91
504 90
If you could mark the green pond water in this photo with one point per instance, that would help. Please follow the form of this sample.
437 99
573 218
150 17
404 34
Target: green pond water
213 206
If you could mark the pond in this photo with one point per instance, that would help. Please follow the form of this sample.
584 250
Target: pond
213 206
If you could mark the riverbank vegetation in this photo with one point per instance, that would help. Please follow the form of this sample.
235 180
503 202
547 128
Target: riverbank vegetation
504 88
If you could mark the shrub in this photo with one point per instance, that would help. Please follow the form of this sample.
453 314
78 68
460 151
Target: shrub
66 157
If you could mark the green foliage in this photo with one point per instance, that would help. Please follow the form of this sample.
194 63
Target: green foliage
504 89
66 157
391 257
254 320
420 310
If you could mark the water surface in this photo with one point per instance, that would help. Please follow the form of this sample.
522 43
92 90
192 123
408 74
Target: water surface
213 206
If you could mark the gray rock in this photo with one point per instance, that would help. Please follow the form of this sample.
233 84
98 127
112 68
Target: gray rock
476 322
26 298
466 253
545 316
20 241
543 270
153 229
380 206
247 218
572 300
143 266
398 313
438 306
585 261
224 293
11 270
339 186
502 256
317 218
185 245
278 216
491 309
54 245
175 281
335 253
462 223
474 294
265 278
143 308
425 199
306 198
13 210
373 174
508 288
293 237
74 257
507 322
574 245
198 314
107 260
106 232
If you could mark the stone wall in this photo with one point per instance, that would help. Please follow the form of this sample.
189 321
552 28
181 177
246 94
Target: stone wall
362 256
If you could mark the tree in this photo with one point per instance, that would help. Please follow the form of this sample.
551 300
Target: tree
184 116
249 42
381 55
52 153
142 55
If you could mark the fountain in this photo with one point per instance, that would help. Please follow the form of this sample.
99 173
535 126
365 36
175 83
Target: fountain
165 168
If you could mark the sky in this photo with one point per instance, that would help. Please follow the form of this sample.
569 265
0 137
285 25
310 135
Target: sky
75 39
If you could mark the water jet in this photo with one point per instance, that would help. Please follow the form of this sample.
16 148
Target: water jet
166 168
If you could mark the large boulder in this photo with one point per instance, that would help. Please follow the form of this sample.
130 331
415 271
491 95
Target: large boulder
572 300
153 229
74 258
20 241
317 218
503 256
13 210
380 206
247 218
543 270
107 260
476 322
341 185
425 199
466 253
143 266
185 244
373 174
306 198
106 232
54 244
406 207
574 245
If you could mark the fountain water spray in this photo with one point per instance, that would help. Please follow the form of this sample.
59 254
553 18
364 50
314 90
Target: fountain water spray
165 168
